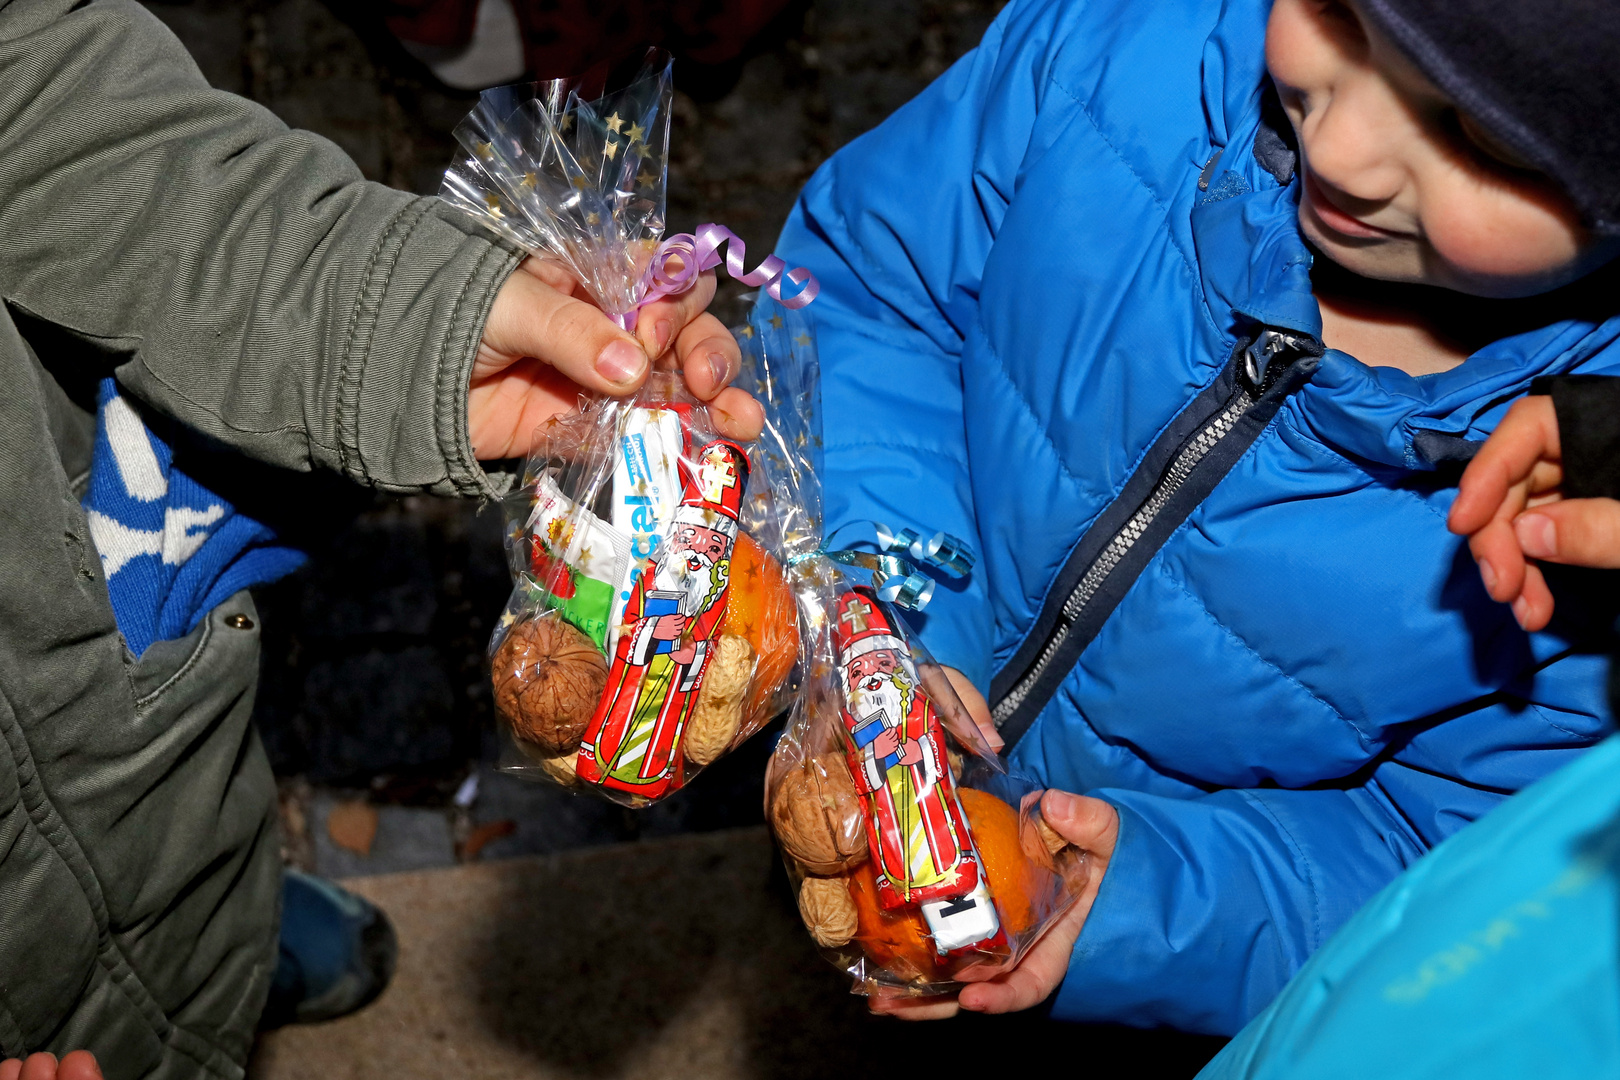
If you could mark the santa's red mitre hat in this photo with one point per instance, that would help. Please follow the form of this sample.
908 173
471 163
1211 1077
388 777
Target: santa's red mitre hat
712 487
862 627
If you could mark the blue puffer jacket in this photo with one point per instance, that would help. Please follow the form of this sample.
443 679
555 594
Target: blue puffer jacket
1032 327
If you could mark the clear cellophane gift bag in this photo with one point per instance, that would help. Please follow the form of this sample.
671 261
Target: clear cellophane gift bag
920 861
650 628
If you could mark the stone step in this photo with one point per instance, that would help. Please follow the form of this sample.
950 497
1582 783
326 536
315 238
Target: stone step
681 957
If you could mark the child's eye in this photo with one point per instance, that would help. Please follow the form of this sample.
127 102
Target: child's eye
1341 13
1487 144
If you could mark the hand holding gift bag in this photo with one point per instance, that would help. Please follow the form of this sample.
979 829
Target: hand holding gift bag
920 861
650 630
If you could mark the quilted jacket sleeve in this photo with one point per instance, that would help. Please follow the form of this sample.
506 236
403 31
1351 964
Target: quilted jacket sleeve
1211 904
240 276
897 227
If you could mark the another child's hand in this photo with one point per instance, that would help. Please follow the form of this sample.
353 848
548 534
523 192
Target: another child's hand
1510 508
1090 824
544 344
79 1065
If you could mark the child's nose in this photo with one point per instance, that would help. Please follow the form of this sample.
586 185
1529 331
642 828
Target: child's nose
1359 144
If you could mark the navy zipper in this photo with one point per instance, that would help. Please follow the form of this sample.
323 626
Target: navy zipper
1180 470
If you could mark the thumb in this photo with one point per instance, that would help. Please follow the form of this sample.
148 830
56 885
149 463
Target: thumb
1089 824
532 318
1581 532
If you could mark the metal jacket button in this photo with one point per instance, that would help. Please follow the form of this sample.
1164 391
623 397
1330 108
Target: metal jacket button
239 622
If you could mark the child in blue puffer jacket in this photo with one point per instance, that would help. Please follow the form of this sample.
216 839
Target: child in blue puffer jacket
1185 314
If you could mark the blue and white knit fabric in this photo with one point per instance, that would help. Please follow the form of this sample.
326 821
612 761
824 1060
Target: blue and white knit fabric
171 549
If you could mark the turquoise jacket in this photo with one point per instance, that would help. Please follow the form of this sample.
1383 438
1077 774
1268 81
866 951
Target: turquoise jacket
1494 958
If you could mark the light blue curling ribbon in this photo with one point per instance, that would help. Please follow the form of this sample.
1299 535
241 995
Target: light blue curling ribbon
942 549
895 579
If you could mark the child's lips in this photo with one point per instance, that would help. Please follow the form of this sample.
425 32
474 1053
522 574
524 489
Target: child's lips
1335 220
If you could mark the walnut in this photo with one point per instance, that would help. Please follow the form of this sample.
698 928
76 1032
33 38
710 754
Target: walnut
828 910
817 815
548 676
718 714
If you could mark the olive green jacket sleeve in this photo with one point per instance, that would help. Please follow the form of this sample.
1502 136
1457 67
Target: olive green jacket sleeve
242 276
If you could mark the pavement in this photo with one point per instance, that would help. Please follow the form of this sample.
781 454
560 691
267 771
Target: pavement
679 957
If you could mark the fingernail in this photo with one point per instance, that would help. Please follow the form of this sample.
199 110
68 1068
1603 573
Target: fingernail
1487 574
1521 610
1538 535
720 369
663 332
1059 805
968 1002
620 362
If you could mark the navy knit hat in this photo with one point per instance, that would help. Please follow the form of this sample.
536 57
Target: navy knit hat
1542 76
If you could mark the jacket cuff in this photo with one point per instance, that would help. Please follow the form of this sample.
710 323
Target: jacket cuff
410 343
1588 408
1162 943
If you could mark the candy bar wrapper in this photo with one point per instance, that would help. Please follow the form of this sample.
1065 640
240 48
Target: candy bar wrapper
919 860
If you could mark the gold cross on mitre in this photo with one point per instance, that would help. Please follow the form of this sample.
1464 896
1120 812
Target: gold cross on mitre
855 615
716 474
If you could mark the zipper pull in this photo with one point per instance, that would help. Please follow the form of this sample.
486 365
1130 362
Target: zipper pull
1259 358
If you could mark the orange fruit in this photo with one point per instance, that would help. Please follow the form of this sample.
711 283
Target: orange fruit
761 608
898 941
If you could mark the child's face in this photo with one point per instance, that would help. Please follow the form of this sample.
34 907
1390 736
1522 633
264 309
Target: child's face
1400 186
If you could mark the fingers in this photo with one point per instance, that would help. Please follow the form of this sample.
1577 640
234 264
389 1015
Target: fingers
531 318
1501 563
1581 532
977 707
662 321
914 1008
1533 607
709 356
1526 435
79 1065
1023 987
1090 824
40 1066
736 415
10 1068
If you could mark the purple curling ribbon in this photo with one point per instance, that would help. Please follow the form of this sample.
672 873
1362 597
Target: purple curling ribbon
701 252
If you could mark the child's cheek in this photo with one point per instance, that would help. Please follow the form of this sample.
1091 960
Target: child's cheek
1290 46
1504 242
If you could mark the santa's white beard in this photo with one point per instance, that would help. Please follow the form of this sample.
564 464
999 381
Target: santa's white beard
675 574
875 694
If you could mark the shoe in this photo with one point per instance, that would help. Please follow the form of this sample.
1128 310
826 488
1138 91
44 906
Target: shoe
337 953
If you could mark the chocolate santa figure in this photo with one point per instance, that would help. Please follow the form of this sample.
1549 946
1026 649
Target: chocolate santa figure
676 605
922 850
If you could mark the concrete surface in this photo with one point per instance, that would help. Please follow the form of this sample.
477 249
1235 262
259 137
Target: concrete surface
679 958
